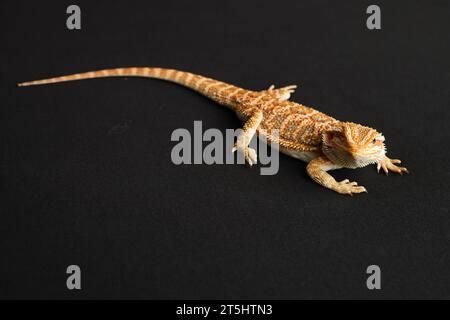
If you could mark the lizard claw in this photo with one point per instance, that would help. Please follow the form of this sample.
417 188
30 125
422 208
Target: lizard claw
290 89
250 156
249 153
282 93
347 187
389 165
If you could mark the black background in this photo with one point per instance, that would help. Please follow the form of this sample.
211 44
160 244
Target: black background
86 176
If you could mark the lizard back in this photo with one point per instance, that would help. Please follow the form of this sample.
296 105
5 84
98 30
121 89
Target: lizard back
299 127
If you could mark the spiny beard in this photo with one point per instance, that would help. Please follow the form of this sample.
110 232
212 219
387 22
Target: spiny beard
347 160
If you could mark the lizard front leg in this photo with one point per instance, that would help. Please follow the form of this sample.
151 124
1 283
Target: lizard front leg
389 165
317 170
246 136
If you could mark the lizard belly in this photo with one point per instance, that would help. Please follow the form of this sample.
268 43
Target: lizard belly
305 156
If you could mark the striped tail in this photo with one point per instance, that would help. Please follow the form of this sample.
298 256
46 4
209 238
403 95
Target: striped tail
221 92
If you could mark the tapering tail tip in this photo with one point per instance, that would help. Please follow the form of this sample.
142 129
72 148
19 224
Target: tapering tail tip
24 84
32 83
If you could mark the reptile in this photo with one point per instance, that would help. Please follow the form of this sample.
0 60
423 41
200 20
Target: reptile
299 131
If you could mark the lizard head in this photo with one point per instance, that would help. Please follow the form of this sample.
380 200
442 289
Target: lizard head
353 146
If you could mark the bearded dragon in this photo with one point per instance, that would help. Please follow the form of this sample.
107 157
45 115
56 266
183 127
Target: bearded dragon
299 131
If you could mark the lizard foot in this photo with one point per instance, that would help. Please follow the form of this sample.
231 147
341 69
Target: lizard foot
389 165
347 187
250 154
282 93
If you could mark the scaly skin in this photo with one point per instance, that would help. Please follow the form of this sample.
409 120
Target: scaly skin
302 132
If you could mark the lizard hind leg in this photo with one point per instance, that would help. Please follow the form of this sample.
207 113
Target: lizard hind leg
281 94
246 136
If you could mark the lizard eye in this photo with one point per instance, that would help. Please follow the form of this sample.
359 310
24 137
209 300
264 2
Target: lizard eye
374 140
